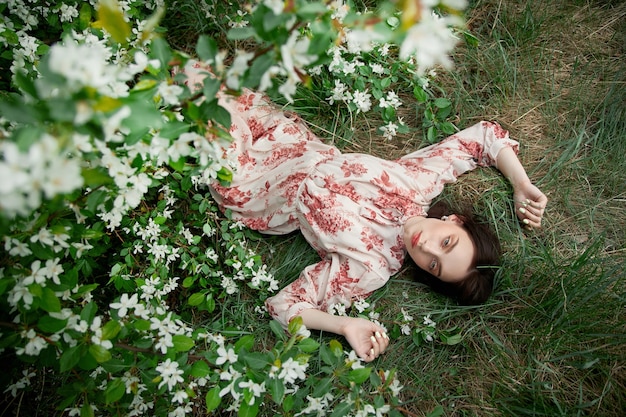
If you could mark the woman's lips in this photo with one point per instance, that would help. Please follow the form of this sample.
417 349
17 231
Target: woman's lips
416 238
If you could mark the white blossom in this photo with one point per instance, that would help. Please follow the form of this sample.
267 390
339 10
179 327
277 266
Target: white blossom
225 355
390 130
126 303
170 373
291 371
430 41
362 101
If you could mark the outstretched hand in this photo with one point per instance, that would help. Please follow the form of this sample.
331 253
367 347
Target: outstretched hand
530 204
366 338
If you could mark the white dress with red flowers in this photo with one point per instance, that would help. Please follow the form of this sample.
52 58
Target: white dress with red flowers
350 207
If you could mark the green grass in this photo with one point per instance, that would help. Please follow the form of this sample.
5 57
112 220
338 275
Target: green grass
552 339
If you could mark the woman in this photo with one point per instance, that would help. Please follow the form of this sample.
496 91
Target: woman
361 213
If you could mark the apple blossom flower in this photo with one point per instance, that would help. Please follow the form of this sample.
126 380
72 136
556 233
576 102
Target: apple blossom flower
225 355
126 303
430 41
362 101
292 370
170 373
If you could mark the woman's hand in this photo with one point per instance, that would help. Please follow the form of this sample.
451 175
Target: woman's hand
366 338
530 203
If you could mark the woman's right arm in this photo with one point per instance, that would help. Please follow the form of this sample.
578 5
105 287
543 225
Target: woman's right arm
530 202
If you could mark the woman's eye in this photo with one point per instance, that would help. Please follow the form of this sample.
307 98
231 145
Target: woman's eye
433 264
446 242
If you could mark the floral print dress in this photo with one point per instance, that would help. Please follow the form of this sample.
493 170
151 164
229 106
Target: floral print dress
350 207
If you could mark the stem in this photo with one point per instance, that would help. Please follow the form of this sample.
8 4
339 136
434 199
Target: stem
406 412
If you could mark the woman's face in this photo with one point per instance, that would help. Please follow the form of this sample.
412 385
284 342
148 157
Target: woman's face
441 247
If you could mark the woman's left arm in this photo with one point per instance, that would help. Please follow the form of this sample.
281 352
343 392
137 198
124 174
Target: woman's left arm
530 202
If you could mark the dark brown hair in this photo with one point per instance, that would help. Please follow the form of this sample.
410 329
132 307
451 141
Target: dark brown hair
477 285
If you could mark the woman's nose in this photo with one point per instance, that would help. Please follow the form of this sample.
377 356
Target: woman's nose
429 248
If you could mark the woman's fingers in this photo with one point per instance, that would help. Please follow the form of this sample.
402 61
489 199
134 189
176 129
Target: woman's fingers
379 341
530 215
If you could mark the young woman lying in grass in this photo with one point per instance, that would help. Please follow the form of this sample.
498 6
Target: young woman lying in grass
362 214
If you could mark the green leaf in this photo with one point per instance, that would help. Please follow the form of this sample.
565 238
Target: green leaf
288 403
84 16
25 84
188 282
178 165
336 348
111 18
256 360
246 342
115 391
417 338
358 376
451 339
70 358
308 11
447 128
207 48
322 387
294 325
212 110
182 343
161 51
211 87
431 134
99 353
210 303
116 365
442 103
49 324
419 94
61 109
49 301
437 411
238 34
143 118
225 175
247 410
196 299
173 130
278 330
4 284
443 113
470 39
145 85
277 390
89 312
110 329
327 357
86 410
200 369
257 69
15 110
342 409
85 289
272 21
95 177
141 325
213 398
308 345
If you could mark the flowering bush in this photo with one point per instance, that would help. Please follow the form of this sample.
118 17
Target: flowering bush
111 241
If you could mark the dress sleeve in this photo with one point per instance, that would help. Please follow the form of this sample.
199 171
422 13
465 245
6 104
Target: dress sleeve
434 166
479 143
337 279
